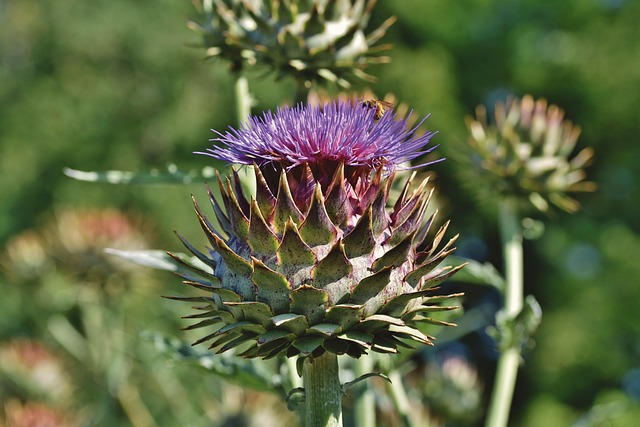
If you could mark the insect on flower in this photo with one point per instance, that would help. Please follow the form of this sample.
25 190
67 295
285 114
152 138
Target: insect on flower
381 107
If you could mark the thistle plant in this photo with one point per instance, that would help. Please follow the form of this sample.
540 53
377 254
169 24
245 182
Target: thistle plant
310 40
315 265
522 161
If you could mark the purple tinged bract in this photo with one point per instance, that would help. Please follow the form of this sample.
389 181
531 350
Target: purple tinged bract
339 132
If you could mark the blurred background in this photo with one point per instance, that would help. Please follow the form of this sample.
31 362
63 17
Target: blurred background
122 85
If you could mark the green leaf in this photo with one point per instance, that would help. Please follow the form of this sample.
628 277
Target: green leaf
427 267
264 197
378 211
172 175
236 264
346 386
273 348
201 256
237 218
243 338
385 342
477 273
411 216
159 260
253 374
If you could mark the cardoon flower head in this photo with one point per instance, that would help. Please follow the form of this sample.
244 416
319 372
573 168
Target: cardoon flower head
315 262
526 153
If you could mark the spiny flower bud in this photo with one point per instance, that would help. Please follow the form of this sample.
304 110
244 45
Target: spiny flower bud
525 153
309 40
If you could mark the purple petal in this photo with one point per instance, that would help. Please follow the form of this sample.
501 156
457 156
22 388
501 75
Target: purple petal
340 132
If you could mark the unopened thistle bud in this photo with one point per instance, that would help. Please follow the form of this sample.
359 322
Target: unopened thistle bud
308 40
526 153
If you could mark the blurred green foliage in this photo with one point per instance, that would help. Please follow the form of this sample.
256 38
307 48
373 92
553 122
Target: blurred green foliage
116 85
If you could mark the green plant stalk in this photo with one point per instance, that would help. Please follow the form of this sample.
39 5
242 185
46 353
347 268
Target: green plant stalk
400 398
507 370
243 97
364 401
322 391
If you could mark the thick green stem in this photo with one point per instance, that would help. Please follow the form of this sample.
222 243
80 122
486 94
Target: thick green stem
364 402
243 97
507 370
322 391
511 234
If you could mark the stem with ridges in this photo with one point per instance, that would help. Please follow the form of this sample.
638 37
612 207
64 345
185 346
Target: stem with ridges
364 401
507 370
322 391
243 97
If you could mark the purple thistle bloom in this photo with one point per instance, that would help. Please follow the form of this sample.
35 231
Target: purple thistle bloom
314 257
323 137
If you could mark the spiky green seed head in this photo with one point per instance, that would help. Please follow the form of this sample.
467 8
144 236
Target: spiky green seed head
526 153
314 261
312 40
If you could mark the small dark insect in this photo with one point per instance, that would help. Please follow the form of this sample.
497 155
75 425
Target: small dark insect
381 107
